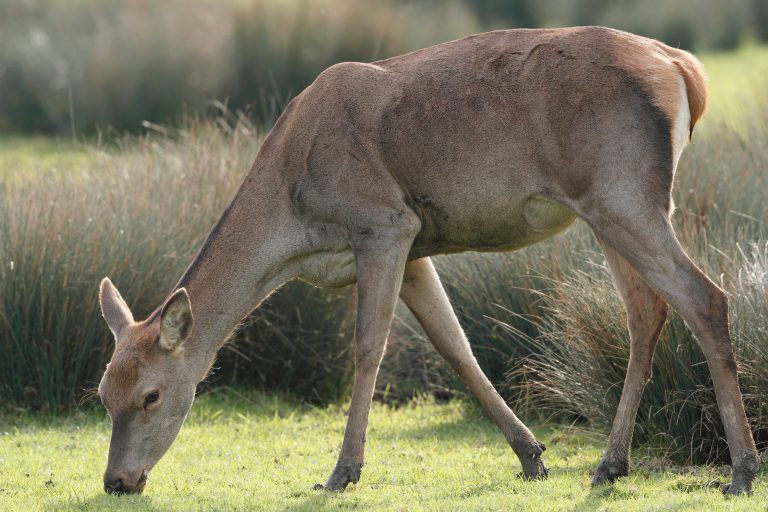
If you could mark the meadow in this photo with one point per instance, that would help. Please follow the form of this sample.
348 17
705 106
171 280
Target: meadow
244 450
546 324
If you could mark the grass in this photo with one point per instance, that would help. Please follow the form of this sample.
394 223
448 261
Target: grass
735 78
579 360
24 158
138 213
251 451
87 66
98 66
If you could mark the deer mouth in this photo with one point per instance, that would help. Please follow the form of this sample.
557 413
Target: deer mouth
141 484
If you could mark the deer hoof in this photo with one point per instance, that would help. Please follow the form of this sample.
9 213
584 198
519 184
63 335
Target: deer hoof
736 489
342 476
741 482
744 471
533 467
608 472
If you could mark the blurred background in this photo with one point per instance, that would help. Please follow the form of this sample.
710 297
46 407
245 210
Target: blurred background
126 127
79 66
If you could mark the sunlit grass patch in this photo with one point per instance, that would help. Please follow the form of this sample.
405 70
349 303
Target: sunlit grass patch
25 158
736 82
251 451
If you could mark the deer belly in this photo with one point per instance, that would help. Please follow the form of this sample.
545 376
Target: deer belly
508 227
546 216
538 219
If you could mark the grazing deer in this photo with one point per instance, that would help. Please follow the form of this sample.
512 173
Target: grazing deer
488 143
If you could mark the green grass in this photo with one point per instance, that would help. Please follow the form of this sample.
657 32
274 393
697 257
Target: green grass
736 79
24 157
101 65
260 452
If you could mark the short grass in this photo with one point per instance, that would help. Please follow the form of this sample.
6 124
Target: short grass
736 80
22 157
259 452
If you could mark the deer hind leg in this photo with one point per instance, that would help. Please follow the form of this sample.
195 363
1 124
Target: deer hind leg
380 260
646 313
642 234
423 293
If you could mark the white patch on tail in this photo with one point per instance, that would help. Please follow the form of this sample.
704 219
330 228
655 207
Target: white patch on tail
682 124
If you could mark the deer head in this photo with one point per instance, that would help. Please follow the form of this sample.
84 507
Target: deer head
147 388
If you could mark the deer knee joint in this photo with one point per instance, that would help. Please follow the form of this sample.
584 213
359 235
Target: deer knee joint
729 362
715 315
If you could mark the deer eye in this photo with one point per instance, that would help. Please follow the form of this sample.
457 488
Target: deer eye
151 398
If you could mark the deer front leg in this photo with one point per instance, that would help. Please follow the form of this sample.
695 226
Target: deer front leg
380 268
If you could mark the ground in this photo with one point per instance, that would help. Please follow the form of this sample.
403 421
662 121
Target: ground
250 451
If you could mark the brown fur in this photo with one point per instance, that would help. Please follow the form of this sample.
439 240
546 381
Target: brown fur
646 314
695 83
488 143
658 65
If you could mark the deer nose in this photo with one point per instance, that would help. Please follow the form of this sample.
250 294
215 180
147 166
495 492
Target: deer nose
117 485
114 486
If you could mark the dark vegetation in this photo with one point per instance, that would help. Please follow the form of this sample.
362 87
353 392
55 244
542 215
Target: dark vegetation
81 67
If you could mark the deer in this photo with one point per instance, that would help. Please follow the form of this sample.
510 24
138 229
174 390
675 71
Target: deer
488 143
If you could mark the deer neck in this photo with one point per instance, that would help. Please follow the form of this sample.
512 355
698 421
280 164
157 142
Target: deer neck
246 256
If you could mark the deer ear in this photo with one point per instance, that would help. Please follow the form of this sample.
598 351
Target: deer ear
175 320
113 308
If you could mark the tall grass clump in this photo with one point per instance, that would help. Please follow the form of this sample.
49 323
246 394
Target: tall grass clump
82 66
577 362
492 295
299 342
137 214
278 48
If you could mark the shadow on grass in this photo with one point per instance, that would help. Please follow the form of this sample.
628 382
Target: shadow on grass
471 423
325 500
107 502
312 500
597 496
